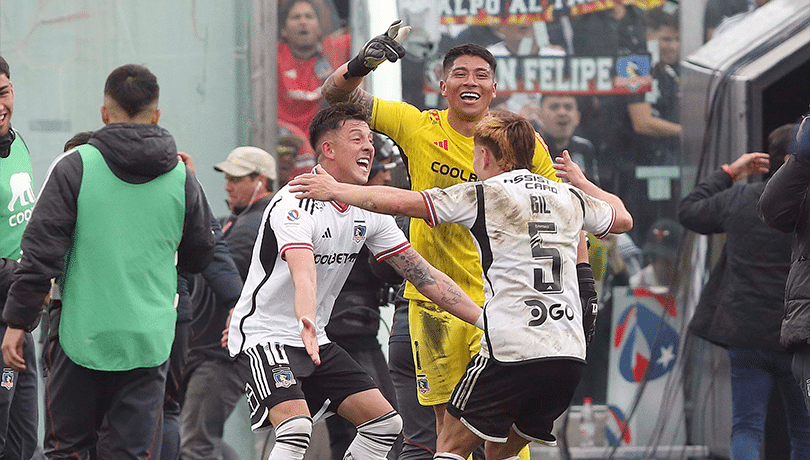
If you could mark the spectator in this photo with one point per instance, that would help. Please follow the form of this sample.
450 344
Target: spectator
741 306
18 404
559 118
116 263
295 155
305 58
784 207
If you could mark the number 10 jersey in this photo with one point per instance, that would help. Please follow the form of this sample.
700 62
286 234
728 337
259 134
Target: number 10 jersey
526 229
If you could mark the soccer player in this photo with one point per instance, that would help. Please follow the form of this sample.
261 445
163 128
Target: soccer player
438 145
302 257
527 229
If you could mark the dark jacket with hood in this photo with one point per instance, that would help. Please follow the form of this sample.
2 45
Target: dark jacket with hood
784 206
741 305
135 153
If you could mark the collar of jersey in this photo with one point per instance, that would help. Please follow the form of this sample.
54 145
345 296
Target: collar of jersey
342 207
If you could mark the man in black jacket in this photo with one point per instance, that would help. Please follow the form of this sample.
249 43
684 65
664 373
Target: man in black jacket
740 308
783 205
116 218
213 386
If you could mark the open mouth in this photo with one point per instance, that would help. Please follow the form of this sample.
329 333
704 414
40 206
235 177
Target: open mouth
363 163
469 96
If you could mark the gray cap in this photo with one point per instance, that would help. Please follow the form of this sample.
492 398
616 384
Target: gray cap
246 160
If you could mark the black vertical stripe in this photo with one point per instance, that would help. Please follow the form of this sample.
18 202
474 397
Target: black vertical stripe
268 253
479 230
581 201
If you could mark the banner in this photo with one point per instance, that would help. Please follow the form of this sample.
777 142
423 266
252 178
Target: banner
645 344
579 75
491 12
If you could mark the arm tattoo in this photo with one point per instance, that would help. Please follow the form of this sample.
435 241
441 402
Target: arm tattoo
335 95
413 268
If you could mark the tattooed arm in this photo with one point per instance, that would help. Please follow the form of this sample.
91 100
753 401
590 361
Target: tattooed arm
434 284
337 88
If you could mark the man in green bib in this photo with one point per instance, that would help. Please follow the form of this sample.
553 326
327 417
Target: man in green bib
18 395
115 220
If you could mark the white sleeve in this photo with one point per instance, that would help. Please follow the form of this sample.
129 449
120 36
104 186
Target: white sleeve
455 204
293 226
599 216
387 239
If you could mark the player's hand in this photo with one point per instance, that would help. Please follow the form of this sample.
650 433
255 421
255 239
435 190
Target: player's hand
224 339
12 347
568 170
310 338
748 164
318 186
387 46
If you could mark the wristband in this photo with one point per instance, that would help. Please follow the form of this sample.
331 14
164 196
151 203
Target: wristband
301 323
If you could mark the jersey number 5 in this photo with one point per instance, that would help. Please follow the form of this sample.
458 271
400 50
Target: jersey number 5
547 278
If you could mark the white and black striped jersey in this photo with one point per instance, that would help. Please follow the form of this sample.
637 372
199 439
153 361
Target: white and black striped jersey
335 233
526 228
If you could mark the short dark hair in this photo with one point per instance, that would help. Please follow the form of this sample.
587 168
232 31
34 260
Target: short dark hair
469 49
656 18
510 138
133 87
4 68
331 118
285 8
779 142
78 139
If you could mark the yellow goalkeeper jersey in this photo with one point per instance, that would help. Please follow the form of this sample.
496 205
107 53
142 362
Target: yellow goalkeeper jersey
438 156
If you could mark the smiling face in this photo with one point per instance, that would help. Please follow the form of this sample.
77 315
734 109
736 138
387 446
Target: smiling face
469 87
349 151
6 104
669 44
302 30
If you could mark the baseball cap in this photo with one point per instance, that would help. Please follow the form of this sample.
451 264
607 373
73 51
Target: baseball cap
246 160
663 238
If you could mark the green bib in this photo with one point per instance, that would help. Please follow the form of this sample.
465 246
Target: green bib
120 280
16 198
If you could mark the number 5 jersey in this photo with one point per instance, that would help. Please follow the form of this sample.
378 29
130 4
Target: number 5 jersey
526 229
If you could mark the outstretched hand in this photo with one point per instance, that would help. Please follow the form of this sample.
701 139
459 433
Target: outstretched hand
748 164
310 338
387 46
568 170
318 186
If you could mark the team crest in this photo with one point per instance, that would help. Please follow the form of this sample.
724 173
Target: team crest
8 378
422 384
283 377
633 72
359 233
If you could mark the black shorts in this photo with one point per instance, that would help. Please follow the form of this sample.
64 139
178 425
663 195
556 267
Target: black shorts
276 373
493 397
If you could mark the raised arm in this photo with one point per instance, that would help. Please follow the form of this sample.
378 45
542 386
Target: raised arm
436 286
343 84
377 198
567 169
